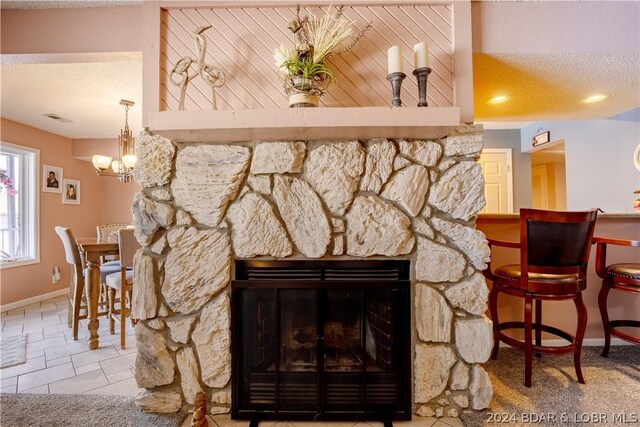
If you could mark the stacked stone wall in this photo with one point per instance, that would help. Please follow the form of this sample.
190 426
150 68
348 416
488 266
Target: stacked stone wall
204 205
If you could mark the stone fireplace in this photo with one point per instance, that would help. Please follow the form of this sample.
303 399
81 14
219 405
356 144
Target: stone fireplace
205 205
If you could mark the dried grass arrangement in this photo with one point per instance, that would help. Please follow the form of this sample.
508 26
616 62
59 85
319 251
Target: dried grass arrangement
302 67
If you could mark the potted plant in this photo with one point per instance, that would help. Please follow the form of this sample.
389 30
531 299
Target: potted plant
6 183
302 67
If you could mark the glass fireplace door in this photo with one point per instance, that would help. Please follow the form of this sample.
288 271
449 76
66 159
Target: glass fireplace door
278 349
298 367
322 340
363 346
256 347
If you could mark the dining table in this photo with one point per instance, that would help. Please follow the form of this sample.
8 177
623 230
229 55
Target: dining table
92 250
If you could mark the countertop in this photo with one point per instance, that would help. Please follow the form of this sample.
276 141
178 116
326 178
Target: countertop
620 215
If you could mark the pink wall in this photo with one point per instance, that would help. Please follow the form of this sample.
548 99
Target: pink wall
32 31
103 201
117 198
562 314
527 27
84 148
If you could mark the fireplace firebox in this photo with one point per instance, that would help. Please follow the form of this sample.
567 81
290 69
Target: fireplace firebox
321 340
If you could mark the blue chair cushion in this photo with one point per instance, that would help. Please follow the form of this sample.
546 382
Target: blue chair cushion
107 269
110 263
114 280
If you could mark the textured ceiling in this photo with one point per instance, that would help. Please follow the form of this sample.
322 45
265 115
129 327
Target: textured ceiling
88 94
551 86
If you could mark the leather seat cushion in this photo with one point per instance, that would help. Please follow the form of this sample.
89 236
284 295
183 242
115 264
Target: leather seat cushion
512 272
630 271
113 280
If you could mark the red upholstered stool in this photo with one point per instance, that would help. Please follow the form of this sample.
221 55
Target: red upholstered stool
554 251
622 277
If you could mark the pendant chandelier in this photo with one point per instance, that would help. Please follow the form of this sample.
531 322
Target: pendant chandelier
122 167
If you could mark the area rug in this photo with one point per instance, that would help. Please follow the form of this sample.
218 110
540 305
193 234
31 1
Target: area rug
610 397
13 351
81 410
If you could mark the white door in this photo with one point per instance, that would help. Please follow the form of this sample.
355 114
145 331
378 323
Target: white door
498 180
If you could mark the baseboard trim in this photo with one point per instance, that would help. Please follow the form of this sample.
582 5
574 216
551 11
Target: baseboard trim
32 300
587 342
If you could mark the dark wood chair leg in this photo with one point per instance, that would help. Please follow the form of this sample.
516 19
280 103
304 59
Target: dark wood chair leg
493 309
582 326
602 303
528 345
539 324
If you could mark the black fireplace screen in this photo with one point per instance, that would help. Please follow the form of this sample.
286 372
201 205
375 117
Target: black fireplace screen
321 339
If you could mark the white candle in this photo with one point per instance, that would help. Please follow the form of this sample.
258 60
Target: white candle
395 59
421 55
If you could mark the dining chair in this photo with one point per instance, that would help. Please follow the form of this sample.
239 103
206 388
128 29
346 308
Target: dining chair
111 263
554 252
109 233
76 285
123 282
624 277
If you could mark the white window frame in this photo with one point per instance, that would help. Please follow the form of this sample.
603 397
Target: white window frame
30 180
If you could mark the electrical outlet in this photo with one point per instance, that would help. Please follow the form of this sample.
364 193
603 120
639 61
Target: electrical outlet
56 275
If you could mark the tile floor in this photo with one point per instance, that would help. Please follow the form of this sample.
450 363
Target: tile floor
57 364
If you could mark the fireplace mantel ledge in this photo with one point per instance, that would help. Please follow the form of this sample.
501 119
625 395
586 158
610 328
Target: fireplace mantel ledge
305 124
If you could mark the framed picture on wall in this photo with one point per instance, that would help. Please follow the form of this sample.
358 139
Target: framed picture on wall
71 192
51 179
541 138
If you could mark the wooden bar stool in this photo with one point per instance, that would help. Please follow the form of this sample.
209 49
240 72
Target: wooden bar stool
554 251
622 277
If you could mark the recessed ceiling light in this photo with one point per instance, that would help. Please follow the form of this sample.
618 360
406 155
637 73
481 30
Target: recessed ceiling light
498 99
595 98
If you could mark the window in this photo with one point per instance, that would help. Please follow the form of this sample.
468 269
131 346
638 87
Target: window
19 213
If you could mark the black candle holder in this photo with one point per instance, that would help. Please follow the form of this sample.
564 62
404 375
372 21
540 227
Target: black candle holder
422 75
396 85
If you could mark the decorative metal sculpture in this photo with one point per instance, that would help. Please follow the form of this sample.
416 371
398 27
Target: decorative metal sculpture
182 69
210 74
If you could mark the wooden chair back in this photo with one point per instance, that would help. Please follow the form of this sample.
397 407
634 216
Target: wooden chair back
76 287
554 242
128 245
109 233
71 251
